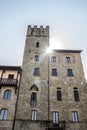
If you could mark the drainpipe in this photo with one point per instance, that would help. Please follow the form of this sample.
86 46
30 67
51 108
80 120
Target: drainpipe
48 91
16 101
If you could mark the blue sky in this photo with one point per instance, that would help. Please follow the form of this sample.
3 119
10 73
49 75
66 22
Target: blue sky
67 20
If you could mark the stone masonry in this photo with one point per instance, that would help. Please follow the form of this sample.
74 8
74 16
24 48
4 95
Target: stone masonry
45 85
52 94
12 85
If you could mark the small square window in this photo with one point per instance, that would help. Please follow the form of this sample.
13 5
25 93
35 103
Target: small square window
53 59
37 71
69 72
54 72
36 58
68 60
37 44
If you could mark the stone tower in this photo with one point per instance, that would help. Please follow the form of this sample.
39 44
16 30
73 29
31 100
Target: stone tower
53 90
34 82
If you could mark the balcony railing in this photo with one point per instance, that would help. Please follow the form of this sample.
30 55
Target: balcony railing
58 126
8 82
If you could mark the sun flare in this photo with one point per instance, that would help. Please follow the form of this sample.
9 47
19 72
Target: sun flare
55 44
49 49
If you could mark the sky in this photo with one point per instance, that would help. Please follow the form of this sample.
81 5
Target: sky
67 20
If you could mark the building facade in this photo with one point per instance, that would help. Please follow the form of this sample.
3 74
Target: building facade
52 94
53 88
9 84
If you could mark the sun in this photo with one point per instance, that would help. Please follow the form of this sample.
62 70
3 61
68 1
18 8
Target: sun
49 49
55 44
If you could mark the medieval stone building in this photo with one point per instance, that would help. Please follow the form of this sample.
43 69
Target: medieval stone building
52 93
9 85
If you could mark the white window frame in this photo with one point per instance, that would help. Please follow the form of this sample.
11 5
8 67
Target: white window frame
3 114
55 117
74 116
34 115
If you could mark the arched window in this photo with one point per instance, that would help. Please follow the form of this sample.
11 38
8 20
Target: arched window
33 101
34 87
3 114
76 95
59 94
7 94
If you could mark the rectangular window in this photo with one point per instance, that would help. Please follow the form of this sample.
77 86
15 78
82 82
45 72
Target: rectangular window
74 116
76 95
53 59
54 72
36 58
69 72
68 60
59 95
37 71
33 99
55 117
10 76
33 114
37 44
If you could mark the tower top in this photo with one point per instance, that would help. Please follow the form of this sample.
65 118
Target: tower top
38 31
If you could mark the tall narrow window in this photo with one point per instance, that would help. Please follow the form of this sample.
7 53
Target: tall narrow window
53 59
33 114
54 72
69 72
74 116
37 71
7 94
37 44
68 60
55 117
3 114
33 99
59 95
76 95
36 58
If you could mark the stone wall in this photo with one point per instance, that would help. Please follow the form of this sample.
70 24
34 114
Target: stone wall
47 85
